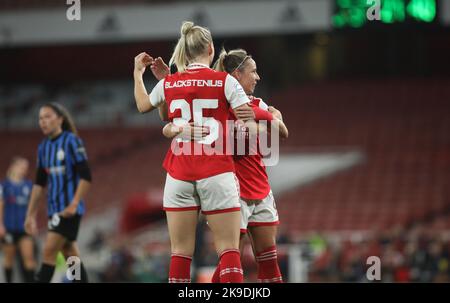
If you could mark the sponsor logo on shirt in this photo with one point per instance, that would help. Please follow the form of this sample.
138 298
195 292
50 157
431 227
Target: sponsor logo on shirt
57 170
25 190
60 155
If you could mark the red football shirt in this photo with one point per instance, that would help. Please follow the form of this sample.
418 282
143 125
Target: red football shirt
250 169
204 96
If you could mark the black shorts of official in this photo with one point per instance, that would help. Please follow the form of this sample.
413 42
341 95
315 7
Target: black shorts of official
14 237
66 227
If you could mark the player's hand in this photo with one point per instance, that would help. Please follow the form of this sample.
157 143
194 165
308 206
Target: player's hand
193 132
275 112
69 211
30 226
245 113
141 61
159 68
2 231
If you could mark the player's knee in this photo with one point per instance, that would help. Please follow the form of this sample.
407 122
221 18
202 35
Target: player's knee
183 244
266 248
263 241
231 241
226 245
182 251
27 255
8 260
183 248
49 254
69 251
29 262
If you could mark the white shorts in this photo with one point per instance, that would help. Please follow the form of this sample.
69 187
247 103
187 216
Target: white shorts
259 212
216 194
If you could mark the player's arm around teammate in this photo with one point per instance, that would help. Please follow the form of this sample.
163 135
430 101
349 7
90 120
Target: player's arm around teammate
205 182
243 67
259 214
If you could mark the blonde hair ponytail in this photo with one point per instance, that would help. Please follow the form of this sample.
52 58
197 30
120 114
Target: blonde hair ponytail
219 65
194 42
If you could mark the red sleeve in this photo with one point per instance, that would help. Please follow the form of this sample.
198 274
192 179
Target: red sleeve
261 114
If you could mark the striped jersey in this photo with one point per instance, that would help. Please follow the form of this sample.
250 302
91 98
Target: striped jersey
58 157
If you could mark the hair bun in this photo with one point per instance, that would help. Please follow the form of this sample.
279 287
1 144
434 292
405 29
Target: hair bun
186 27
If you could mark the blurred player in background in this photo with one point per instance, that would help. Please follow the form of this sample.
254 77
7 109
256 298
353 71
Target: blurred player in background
195 182
62 163
14 196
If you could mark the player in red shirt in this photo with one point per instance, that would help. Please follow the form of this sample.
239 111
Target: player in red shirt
258 210
259 214
197 180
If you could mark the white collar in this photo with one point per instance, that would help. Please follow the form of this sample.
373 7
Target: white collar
197 66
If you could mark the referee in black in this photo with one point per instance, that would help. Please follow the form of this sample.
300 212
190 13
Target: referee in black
62 164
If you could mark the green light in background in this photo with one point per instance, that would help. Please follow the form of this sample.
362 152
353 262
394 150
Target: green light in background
339 21
392 11
344 3
357 17
351 13
423 10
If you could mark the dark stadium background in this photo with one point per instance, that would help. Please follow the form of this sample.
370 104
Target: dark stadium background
364 172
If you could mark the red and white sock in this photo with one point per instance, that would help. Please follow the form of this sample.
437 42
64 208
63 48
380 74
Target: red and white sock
230 267
180 269
216 276
268 270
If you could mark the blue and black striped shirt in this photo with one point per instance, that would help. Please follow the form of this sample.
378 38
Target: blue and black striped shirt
58 157
15 197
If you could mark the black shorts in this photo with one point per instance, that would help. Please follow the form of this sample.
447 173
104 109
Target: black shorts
67 227
13 237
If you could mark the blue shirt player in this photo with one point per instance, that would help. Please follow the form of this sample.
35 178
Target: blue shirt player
14 196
